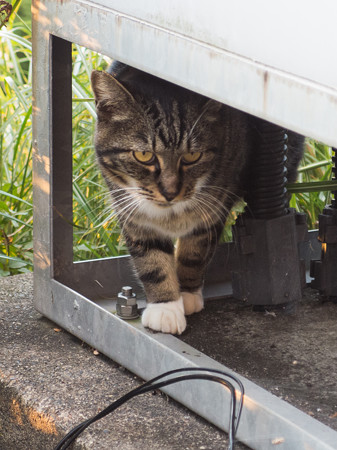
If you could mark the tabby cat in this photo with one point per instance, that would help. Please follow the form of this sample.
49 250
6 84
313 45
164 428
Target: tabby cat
175 163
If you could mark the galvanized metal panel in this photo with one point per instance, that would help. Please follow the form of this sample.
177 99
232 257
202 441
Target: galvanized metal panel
276 92
295 36
41 161
265 418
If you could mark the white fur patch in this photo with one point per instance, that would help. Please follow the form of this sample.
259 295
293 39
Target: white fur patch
193 301
165 317
160 219
160 212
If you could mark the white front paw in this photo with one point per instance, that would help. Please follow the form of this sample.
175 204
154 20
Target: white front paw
193 301
165 317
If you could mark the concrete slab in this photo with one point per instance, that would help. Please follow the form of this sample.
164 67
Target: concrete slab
50 381
292 356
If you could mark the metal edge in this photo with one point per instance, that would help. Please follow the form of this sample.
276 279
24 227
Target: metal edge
265 417
201 64
107 275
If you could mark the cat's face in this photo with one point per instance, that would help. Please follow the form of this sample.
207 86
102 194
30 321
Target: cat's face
162 153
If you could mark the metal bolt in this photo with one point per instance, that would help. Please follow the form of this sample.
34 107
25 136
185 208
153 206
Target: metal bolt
127 304
127 291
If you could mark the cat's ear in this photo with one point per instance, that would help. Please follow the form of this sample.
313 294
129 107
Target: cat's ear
211 110
110 95
209 114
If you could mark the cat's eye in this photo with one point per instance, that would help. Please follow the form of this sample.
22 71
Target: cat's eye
190 158
144 157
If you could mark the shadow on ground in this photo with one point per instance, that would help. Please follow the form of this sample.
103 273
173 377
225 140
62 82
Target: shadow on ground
292 356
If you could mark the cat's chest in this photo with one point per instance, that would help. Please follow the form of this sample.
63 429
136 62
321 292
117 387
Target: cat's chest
173 222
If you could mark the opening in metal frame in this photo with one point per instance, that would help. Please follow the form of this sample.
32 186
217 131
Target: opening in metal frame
63 290
61 158
103 279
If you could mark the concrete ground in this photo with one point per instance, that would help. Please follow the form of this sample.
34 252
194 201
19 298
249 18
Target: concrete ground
50 381
292 356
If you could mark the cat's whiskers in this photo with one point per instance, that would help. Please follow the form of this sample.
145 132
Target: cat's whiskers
124 204
133 207
99 200
206 219
105 194
212 207
104 198
214 203
229 193
117 202
134 194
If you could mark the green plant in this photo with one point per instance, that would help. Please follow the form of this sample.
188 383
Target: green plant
15 151
313 190
96 233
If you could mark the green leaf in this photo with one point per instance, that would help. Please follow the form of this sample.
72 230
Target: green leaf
314 186
17 264
12 259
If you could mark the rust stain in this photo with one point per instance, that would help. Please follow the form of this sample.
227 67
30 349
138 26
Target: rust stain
16 412
265 89
265 78
38 421
41 422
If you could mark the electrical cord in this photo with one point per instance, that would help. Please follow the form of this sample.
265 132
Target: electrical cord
155 383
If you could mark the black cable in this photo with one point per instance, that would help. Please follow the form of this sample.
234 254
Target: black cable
154 384
80 428
205 369
149 386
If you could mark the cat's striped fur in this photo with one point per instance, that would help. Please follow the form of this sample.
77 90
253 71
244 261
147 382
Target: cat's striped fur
175 162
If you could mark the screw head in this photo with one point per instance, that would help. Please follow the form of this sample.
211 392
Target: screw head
127 291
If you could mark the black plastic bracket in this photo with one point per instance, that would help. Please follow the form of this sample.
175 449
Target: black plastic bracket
324 271
269 271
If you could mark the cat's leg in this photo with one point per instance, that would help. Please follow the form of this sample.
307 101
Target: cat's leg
153 259
193 301
193 254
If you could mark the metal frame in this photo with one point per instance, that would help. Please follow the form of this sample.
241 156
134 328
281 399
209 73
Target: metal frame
64 290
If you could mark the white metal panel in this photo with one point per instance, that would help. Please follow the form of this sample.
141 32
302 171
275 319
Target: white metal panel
295 36
278 96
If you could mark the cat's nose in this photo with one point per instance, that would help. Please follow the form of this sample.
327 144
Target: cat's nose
169 196
169 187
